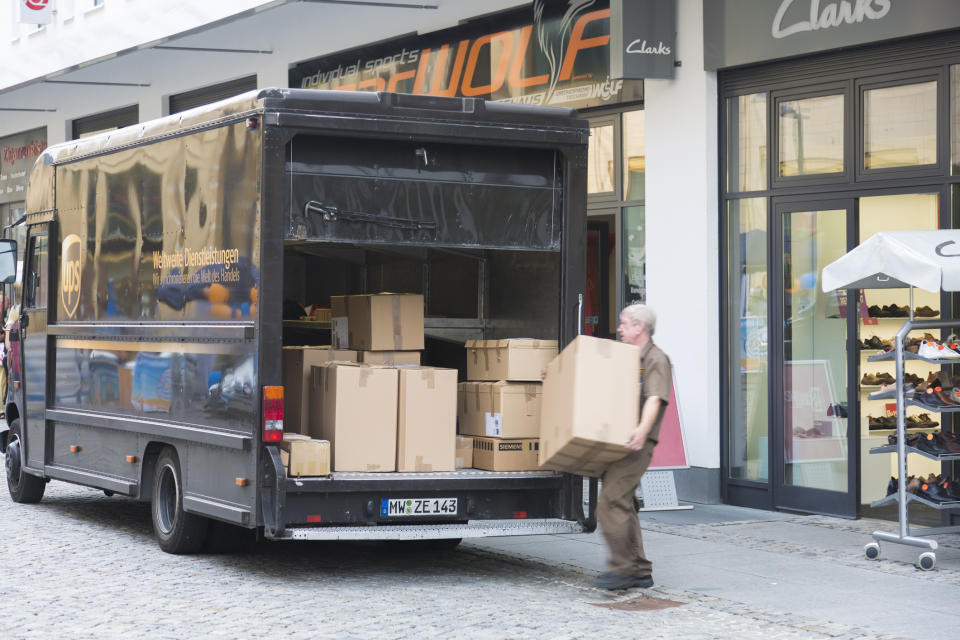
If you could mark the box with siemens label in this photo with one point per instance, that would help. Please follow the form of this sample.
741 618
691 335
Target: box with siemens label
385 322
515 359
427 419
591 404
500 454
354 406
500 409
296 365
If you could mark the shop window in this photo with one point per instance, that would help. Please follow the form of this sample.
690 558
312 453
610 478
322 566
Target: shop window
747 143
634 155
635 259
600 160
810 136
955 118
107 121
180 102
747 339
900 126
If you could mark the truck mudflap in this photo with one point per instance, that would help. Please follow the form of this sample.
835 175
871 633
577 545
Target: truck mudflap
469 529
273 484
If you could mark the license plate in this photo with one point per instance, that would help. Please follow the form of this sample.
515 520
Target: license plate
418 507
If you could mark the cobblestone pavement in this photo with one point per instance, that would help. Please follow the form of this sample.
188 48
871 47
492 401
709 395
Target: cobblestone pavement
82 565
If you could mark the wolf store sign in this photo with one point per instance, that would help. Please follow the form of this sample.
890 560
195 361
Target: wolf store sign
555 54
17 155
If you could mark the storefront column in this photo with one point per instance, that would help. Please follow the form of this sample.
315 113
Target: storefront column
682 246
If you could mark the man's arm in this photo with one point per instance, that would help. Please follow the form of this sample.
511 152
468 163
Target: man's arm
648 416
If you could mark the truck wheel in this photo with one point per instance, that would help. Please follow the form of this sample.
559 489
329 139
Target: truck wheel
23 487
177 531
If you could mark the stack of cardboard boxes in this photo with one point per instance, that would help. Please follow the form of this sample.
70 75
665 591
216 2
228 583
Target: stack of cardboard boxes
499 408
368 396
366 404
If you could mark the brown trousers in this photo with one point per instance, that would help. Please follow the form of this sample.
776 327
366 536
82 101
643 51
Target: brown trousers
617 514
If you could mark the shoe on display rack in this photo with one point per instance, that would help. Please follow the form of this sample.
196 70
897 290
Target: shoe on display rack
934 492
933 444
925 312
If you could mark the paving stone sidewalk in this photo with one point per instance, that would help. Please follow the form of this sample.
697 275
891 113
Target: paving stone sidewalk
82 565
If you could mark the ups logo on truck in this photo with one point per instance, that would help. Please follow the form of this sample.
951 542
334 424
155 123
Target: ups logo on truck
70 274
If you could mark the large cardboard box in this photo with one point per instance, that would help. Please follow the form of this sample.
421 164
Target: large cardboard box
427 419
385 322
354 406
515 359
469 417
297 362
499 454
390 358
305 457
500 409
339 325
591 404
464 457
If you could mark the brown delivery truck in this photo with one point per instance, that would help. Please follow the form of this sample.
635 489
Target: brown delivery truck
158 261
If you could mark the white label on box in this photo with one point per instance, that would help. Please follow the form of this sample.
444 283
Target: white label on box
493 424
340 335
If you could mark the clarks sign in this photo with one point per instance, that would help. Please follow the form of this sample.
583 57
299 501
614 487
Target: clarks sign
830 15
747 31
642 38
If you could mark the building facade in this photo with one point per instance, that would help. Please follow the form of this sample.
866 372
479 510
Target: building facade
757 142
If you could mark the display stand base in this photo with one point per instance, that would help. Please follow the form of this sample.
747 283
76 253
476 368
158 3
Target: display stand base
659 492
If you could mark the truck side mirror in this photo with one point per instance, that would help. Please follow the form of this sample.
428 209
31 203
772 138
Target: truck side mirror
8 261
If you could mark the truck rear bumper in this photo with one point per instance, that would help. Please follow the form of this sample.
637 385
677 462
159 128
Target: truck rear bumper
470 529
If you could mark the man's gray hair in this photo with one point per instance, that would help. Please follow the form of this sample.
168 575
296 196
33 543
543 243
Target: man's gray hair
642 313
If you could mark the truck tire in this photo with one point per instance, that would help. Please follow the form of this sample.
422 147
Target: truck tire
177 531
24 488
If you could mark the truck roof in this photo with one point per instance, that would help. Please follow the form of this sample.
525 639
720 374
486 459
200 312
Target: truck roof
292 105
379 104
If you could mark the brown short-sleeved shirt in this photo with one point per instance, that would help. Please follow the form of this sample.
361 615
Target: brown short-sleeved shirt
655 380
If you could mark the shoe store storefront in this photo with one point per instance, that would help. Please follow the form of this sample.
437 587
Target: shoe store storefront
839 119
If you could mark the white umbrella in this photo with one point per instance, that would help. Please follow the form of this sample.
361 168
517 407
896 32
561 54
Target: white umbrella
926 259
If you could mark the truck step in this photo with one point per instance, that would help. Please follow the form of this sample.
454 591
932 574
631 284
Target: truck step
472 529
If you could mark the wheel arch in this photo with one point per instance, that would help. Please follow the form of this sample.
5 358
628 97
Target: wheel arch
150 454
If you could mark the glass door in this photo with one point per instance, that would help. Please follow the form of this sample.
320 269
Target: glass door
813 445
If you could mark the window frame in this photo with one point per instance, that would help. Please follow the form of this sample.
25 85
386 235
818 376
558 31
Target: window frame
33 283
940 167
773 131
613 195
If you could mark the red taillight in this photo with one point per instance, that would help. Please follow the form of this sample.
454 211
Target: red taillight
273 414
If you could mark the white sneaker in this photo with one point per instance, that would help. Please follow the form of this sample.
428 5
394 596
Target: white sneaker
928 349
943 353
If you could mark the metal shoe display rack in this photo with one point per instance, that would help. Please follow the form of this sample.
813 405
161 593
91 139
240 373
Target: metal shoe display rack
927 560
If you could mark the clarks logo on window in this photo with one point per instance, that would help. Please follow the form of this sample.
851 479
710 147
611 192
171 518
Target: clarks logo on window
70 275
829 15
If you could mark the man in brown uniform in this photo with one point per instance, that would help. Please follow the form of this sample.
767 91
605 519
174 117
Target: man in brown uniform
616 513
